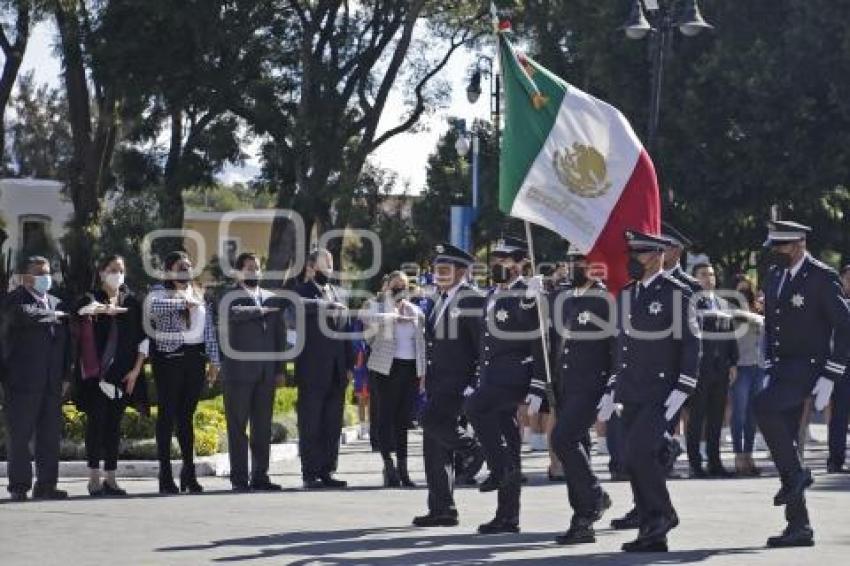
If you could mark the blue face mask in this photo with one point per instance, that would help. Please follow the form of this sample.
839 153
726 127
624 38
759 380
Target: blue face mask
42 284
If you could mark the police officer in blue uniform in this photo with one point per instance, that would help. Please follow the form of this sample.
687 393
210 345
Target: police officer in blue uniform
512 372
807 333
581 316
452 336
657 356
837 436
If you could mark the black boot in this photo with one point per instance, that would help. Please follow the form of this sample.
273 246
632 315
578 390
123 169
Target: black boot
580 532
390 473
403 475
166 480
188 480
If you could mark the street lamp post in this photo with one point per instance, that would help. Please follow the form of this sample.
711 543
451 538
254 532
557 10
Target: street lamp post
658 19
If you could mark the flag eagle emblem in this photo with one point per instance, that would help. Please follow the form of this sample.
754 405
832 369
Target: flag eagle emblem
582 170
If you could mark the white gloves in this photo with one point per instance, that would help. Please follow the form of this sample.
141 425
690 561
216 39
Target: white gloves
766 381
606 407
468 391
674 402
534 286
822 392
534 402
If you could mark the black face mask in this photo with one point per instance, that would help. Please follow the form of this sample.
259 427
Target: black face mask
578 276
499 273
321 278
781 260
635 268
252 282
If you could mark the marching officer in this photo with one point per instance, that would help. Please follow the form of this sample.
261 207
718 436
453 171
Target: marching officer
452 333
657 356
807 333
512 372
582 367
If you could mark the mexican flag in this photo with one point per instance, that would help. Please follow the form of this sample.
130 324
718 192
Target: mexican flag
573 164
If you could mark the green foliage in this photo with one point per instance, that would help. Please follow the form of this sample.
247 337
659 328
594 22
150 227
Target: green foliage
225 198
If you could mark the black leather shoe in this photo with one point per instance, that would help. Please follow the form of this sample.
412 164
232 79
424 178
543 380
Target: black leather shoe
492 483
646 545
697 473
167 486
793 489
718 471
630 520
498 526
265 485
436 520
240 487
189 481
48 493
112 491
313 483
18 496
603 505
659 527
332 482
580 532
793 536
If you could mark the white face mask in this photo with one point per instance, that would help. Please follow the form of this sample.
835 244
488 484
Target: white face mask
112 280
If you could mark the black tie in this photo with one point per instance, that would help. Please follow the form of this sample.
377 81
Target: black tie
438 306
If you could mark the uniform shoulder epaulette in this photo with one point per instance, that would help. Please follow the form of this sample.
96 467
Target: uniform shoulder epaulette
676 282
821 266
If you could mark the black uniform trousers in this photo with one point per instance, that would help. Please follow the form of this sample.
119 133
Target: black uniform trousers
103 424
492 411
34 411
249 401
396 395
576 414
320 408
838 421
643 437
778 410
179 379
706 409
442 438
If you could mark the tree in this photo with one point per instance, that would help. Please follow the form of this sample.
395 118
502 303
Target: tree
17 15
41 136
327 71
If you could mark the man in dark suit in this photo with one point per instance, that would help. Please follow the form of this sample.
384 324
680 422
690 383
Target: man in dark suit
251 333
718 364
35 354
452 333
322 372
807 345
657 356
840 414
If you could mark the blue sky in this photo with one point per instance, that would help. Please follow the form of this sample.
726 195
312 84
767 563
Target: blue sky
406 154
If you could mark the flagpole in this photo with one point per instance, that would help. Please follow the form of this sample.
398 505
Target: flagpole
544 328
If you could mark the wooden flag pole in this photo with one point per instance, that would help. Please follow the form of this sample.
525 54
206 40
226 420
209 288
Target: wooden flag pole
544 328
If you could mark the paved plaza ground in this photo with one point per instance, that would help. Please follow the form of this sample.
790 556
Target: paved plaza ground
722 522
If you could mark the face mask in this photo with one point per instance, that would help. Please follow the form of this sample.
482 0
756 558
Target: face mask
578 276
112 280
321 278
42 284
499 273
398 294
782 260
184 275
636 269
251 278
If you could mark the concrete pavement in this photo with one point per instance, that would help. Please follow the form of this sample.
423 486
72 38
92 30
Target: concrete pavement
722 522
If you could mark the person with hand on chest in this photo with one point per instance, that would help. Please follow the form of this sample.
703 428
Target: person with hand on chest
654 372
452 336
322 372
251 333
512 371
582 367
35 355
807 344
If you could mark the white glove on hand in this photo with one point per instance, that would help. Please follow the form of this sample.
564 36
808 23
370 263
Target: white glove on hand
468 391
534 286
534 402
822 392
765 382
606 407
674 402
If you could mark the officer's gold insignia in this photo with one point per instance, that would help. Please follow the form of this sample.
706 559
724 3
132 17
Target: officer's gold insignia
502 315
797 300
582 170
